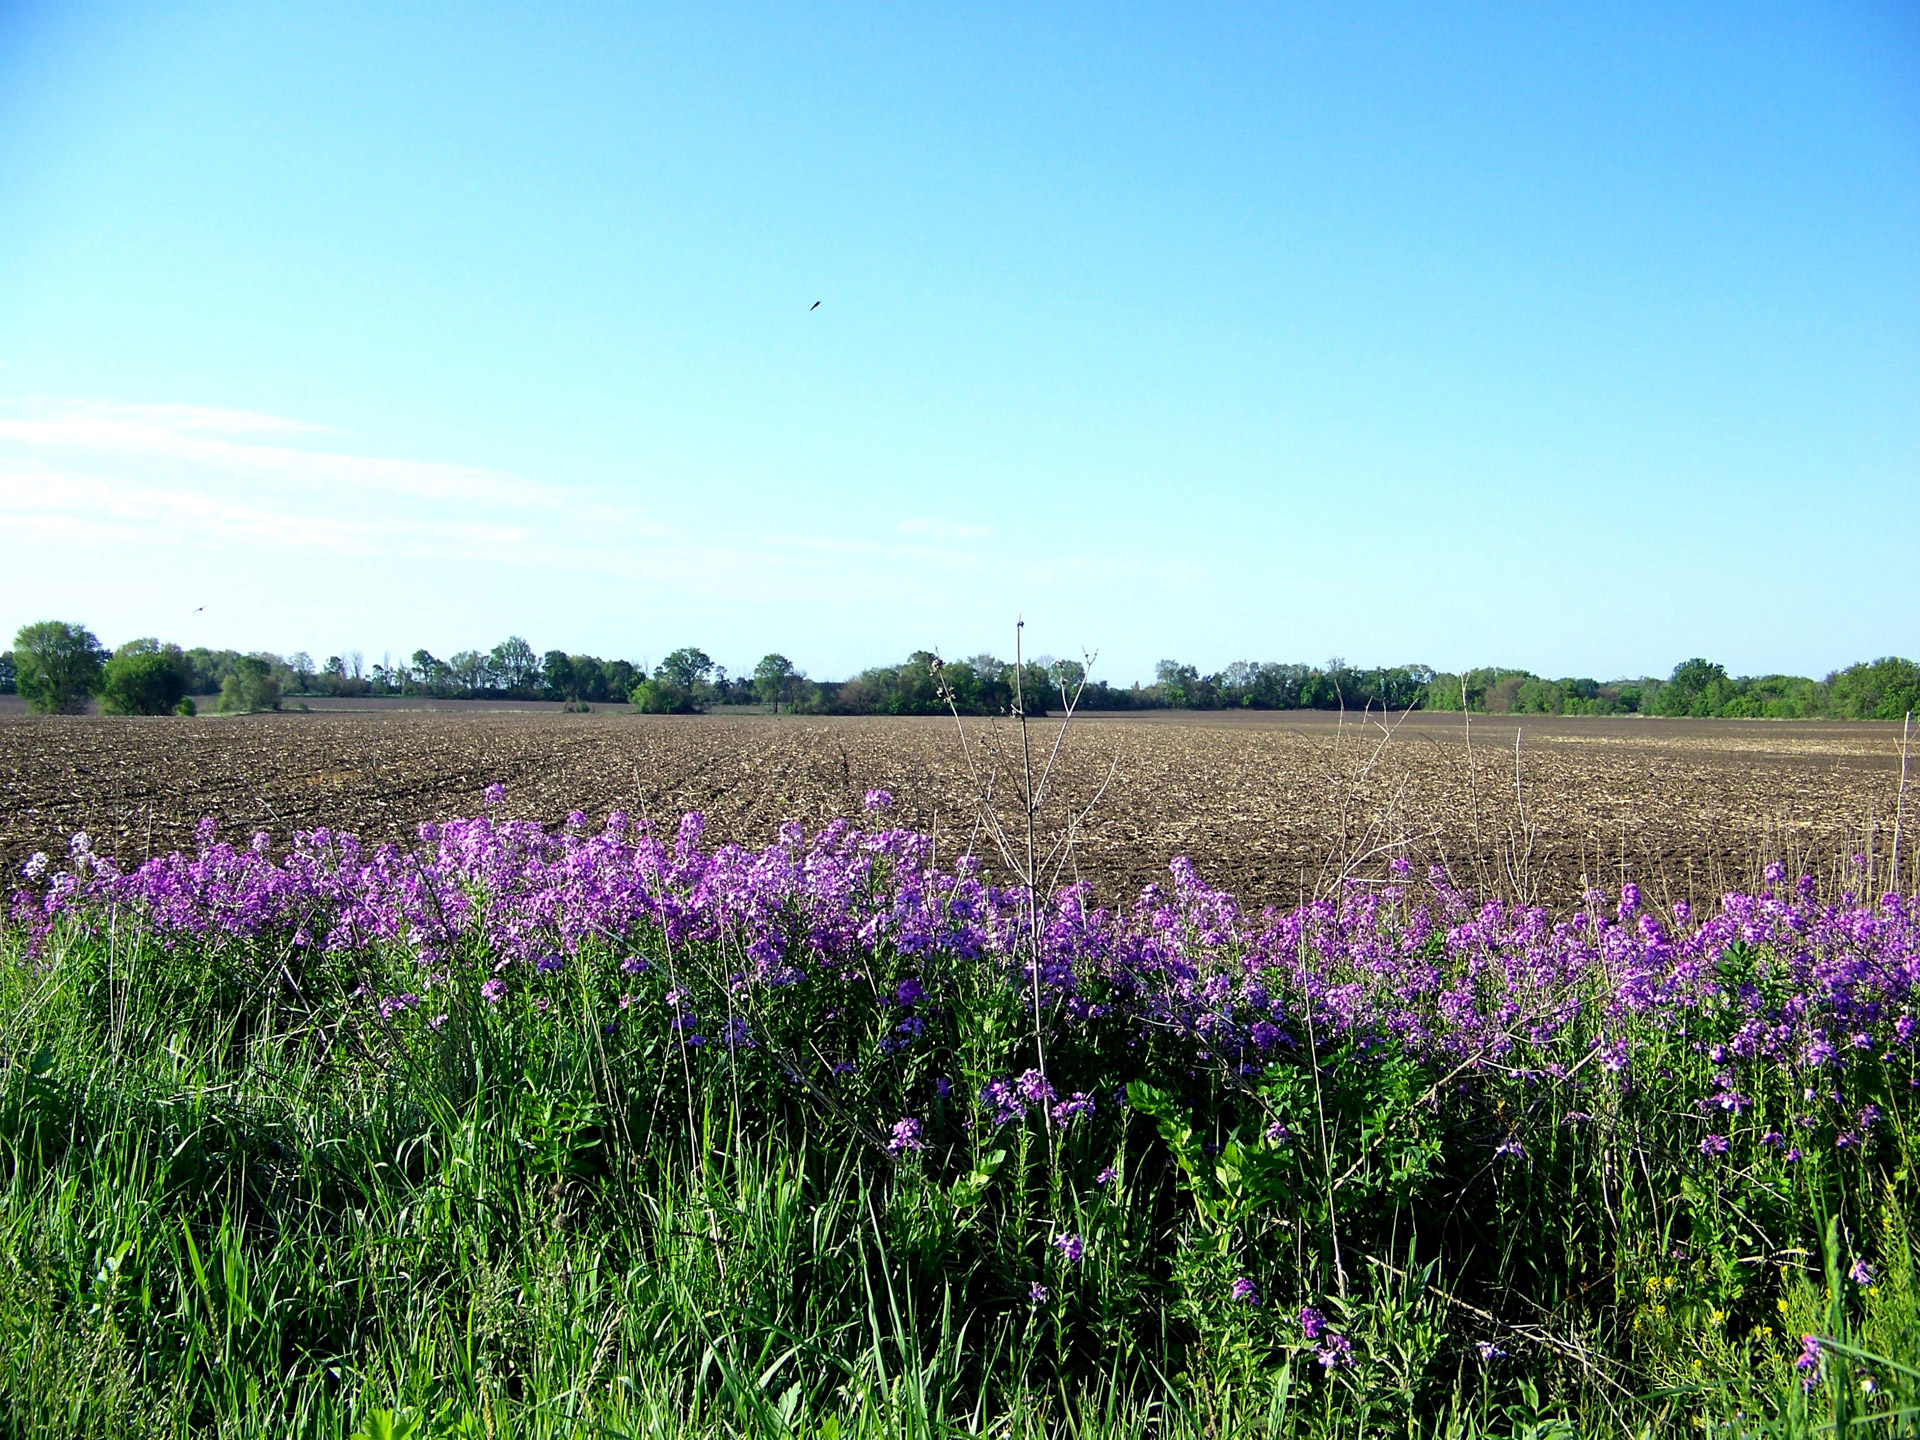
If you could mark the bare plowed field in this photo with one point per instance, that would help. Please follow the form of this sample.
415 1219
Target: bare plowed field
1271 805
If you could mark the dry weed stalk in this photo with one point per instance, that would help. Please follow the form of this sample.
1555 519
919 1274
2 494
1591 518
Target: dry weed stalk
1020 851
1899 805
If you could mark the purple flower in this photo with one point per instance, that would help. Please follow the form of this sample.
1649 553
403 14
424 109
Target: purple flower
1278 1134
1312 1323
1032 1087
1037 1293
1337 1351
909 992
494 794
494 991
1079 1103
1775 872
998 1097
1106 1176
1713 1145
1489 1351
1245 1292
906 1136
878 800
1808 1361
1861 1273
1071 1246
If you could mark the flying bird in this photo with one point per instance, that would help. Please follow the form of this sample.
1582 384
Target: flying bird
813 307
198 608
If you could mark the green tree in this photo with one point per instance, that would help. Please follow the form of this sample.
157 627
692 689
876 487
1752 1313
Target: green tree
686 667
515 667
1179 683
427 672
556 670
619 676
1885 689
57 665
470 671
589 678
773 679
210 669
1535 696
1064 677
7 673
1697 687
661 696
251 686
145 677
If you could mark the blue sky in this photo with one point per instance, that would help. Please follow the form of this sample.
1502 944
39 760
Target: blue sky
1580 338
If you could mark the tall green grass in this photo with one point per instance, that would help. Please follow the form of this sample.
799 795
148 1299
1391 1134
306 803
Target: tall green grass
235 1206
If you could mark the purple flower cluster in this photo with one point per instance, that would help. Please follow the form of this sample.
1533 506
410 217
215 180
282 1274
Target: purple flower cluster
1773 980
1809 1362
905 1137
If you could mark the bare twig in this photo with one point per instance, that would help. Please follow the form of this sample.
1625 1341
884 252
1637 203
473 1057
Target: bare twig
1899 802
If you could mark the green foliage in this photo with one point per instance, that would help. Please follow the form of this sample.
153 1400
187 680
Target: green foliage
145 677
233 1202
661 696
686 667
1267 686
8 674
1180 686
1886 689
251 685
1698 687
775 681
584 678
927 685
689 680
513 667
211 669
57 666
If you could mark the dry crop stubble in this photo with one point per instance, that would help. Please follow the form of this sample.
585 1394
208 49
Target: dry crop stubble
1271 805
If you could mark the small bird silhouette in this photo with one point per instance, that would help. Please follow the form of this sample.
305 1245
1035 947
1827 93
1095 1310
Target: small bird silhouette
198 608
813 307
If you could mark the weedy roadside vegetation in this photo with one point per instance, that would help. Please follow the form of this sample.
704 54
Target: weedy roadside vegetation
606 1131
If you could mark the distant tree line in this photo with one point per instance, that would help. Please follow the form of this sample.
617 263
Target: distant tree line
59 667
1884 689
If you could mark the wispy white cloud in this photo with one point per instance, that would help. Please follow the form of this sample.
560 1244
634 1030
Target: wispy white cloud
200 474
197 476
281 532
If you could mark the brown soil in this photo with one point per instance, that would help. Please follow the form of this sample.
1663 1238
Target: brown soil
1271 805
